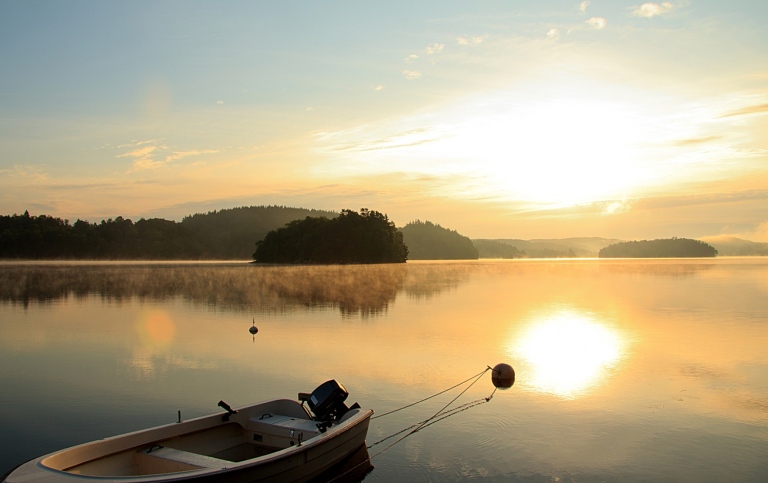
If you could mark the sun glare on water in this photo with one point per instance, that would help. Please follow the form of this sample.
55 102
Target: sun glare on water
566 353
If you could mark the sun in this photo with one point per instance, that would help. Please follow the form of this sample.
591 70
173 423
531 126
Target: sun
548 145
563 151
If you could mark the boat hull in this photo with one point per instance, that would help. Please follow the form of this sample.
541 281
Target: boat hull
275 441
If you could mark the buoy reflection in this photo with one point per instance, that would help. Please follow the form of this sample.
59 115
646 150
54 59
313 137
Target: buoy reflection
567 353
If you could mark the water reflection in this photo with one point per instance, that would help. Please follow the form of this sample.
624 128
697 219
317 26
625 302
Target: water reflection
155 328
355 290
364 290
567 352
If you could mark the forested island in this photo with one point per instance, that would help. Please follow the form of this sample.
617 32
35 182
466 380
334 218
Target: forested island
662 248
428 241
351 237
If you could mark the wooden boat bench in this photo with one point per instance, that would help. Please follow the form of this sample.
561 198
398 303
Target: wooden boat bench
160 459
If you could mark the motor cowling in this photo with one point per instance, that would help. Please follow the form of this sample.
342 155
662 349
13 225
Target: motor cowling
327 401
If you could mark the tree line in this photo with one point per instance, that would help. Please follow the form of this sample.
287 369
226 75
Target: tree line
217 235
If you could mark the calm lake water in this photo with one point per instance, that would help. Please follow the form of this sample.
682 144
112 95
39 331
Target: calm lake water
627 370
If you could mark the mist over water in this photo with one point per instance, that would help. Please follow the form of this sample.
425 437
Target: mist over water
627 370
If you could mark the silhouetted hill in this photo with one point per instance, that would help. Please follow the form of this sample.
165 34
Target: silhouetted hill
427 241
583 247
663 248
497 249
730 246
231 234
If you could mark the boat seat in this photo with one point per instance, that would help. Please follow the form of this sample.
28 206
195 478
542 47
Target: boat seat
287 423
169 460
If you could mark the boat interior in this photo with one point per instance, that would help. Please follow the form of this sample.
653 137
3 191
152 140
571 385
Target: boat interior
218 446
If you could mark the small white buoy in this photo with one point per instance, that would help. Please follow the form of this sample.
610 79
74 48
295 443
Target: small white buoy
503 376
253 328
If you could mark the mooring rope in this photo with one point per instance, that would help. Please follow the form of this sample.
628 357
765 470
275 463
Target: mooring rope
427 421
438 416
430 397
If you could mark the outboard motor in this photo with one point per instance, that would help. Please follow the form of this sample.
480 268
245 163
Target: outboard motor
327 401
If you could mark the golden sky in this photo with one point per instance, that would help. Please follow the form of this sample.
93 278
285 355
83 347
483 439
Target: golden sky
505 119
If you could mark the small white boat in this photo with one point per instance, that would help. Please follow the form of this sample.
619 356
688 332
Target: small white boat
274 441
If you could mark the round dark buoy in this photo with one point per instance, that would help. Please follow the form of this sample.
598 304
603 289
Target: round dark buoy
503 376
253 328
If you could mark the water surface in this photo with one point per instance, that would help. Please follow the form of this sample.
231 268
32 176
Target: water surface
627 370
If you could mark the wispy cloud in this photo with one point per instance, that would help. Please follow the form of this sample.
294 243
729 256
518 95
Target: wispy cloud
757 109
34 173
412 74
583 6
411 58
470 40
409 138
597 22
144 152
650 9
184 154
435 48
135 143
142 157
703 199
615 207
696 141
553 34
148 156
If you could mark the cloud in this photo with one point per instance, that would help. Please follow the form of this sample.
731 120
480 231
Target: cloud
411 58
615 207
758 109
695 141
583 6
412 74
553 34
219 102
470 40
33 173
649 10
145 164
434 48
146 156
139 153
378 88
401 139
676 201
142 157
183 154
597 22
135 143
